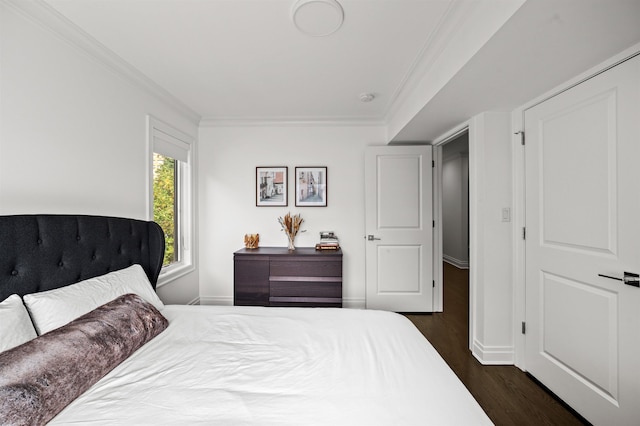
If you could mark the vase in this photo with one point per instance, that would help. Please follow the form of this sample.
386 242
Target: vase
291 245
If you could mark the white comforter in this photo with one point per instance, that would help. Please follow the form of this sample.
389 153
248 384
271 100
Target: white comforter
280 366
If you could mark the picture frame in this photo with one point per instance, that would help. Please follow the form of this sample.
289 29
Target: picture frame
272 186
311 186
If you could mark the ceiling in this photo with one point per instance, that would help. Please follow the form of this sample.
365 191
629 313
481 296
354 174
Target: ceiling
544 44
431 64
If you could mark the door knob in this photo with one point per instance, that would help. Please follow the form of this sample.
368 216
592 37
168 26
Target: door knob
371 237
629 278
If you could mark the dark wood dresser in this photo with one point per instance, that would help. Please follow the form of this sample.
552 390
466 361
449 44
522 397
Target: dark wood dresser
275 276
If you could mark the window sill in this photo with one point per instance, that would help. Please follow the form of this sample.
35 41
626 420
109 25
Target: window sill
173 272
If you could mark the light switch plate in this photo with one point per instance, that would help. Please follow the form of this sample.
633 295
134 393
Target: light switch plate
506 214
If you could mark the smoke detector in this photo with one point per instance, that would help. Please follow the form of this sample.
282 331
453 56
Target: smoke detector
367 97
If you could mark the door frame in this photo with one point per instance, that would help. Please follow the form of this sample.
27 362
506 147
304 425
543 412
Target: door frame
518 213
438 304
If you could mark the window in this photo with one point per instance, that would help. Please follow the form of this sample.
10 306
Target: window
165 204
171 195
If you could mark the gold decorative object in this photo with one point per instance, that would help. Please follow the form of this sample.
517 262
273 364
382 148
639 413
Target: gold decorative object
251 240
291 225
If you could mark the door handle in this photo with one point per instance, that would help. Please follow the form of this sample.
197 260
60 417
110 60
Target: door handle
629 278
371 238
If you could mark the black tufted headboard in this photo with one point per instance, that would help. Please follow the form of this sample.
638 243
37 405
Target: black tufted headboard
43 252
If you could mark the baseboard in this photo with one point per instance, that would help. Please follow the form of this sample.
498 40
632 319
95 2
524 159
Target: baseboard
461 264
354 303
195 301
493 355
216 300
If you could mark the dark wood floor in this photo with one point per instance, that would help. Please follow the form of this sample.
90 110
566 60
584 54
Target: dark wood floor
507 395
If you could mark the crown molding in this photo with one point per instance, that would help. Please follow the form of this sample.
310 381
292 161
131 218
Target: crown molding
451 22
445 53
40 13
290 122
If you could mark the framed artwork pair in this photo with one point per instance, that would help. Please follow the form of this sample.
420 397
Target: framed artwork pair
272 186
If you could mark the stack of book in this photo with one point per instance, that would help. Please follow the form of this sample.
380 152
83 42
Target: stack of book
328 241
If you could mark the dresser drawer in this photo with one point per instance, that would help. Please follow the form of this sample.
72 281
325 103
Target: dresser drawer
306 267
301 288
251 283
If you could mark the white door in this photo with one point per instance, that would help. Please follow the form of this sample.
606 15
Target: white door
583 219
399 247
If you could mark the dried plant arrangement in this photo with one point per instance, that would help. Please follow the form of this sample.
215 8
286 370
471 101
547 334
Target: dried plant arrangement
291 226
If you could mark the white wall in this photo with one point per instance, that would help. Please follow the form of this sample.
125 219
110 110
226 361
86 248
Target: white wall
73 132
455 202
228 157
491 278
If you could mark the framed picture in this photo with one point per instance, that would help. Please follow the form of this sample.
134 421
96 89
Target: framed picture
271 186
311 186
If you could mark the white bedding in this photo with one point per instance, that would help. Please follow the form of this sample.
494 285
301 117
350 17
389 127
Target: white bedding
280 366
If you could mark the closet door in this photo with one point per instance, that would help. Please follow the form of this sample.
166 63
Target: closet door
583 227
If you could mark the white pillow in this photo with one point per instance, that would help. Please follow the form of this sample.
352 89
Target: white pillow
16 327
55 308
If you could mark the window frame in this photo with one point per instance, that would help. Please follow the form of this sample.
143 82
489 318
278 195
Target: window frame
162 138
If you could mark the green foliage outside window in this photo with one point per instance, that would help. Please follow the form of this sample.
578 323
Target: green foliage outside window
164 202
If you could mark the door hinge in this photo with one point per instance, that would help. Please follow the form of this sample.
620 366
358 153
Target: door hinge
433 283
433 163
521 133
433 223
524 327
524 233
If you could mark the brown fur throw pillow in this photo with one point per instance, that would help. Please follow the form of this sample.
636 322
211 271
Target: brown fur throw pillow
41 377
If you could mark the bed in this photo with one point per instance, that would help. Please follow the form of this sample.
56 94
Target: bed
194 364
